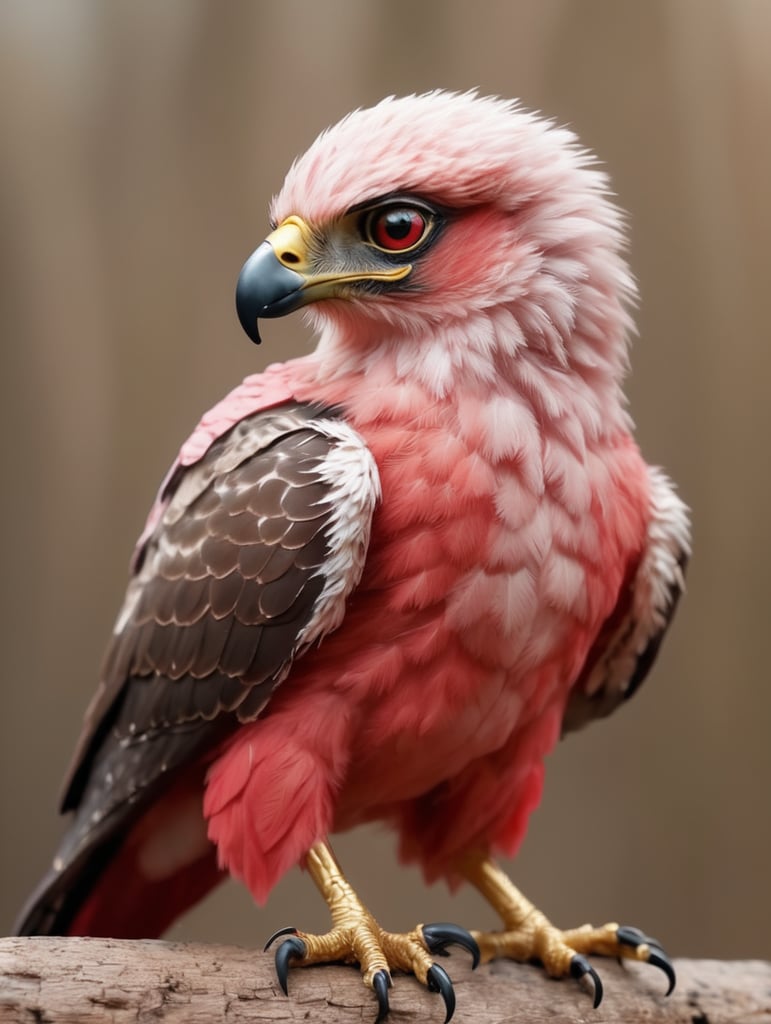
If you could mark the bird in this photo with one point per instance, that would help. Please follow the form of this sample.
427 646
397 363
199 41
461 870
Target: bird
380 581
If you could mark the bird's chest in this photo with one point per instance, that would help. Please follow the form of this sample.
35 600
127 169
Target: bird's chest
500 549
481 590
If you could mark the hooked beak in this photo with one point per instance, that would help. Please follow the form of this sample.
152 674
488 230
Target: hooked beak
286 272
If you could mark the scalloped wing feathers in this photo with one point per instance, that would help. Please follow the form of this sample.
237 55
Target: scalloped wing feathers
254 554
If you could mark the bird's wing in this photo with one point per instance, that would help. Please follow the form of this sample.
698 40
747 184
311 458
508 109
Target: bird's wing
628 642
252 555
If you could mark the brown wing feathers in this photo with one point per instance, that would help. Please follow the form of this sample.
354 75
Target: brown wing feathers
601 687
224 588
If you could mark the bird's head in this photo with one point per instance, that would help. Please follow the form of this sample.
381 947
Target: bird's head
450 217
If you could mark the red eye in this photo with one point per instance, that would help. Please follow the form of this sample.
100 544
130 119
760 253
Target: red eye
397 228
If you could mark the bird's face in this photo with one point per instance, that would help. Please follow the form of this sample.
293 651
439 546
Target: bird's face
370 249
402 258
432 210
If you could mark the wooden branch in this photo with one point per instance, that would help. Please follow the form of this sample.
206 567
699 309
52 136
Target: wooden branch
96 981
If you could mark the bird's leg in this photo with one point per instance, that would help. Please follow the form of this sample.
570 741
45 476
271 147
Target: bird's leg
356 937
527 934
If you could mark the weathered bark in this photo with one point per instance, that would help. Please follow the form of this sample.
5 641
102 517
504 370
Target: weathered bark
94 981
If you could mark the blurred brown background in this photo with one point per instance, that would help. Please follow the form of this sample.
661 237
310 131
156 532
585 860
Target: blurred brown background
140 143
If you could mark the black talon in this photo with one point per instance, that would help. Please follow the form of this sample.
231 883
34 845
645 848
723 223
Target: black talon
290 949
579 968
381 982
440 935
275 935
439 981
662 961
656 956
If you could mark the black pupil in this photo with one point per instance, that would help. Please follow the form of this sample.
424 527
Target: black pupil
398 224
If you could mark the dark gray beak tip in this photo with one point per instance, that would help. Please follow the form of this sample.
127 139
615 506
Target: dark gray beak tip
266 288
248 321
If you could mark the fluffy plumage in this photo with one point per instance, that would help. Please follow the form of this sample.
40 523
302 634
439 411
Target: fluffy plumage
492 561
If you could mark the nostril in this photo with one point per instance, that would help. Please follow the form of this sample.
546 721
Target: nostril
289 257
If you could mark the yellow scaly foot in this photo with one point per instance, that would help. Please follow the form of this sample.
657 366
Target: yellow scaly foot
356 937
528 934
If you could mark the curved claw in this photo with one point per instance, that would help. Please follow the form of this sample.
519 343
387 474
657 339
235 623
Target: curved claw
440 935
579 968
275 935
381 982
291 949
438 980
661 960
633 937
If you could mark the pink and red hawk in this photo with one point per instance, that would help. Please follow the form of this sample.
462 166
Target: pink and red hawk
380 581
